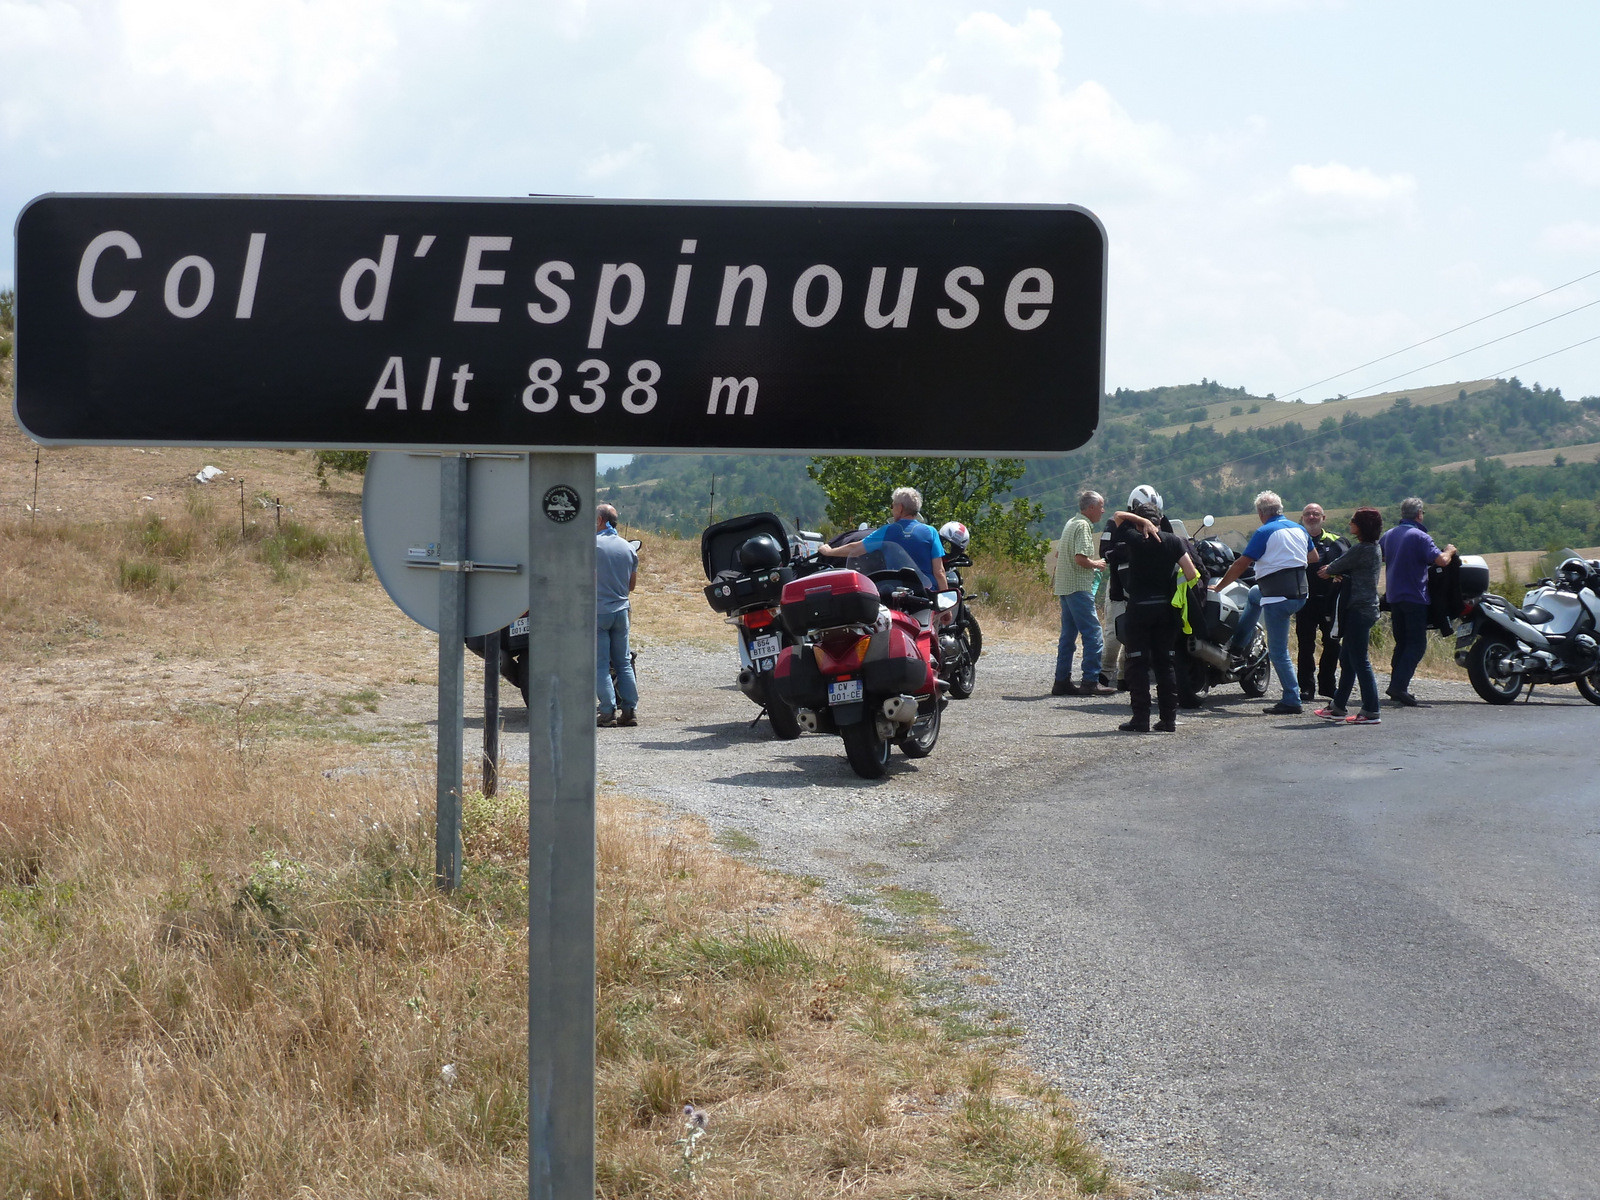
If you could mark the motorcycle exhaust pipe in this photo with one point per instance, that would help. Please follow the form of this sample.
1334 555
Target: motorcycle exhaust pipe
1211 655
750 684
901 710
807 719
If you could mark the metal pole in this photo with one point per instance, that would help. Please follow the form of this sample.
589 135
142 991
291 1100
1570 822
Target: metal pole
561 854
452 669
241 507
33 518
491 713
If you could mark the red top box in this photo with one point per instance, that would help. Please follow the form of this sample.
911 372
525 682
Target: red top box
828 599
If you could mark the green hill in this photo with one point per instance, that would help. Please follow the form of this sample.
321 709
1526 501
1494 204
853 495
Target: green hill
1211 449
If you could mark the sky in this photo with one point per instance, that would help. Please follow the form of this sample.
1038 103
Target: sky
1291 188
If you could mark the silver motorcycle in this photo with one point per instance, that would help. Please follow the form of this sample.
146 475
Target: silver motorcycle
1551 638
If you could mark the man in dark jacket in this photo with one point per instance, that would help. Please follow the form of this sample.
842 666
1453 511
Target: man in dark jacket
1320 610
1150 622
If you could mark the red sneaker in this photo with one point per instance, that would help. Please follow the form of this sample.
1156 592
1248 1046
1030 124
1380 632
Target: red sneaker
1363 719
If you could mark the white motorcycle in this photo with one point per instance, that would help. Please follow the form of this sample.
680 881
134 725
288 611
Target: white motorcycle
1551 638
1209 660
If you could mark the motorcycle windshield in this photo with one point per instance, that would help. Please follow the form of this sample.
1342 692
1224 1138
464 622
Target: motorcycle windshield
887 557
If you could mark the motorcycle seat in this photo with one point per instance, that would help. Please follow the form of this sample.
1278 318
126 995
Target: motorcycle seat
1533 615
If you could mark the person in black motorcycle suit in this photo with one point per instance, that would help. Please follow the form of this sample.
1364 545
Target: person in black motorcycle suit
1187 671
1151 622
1322 606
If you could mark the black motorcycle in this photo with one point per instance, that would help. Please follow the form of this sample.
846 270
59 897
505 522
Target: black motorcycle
960 638
747 560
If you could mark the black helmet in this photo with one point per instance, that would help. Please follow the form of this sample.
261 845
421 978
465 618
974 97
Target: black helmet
1574 572
760 552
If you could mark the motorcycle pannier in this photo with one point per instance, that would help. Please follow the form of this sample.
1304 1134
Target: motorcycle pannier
827 599
798 680
1474 576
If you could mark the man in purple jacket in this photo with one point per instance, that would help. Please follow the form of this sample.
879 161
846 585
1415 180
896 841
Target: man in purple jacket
1408 552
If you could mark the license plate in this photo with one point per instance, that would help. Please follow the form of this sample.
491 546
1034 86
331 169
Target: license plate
846 691
518 628
766 646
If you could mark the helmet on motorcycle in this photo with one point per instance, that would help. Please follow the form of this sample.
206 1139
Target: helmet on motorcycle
954 533
1145 494
1574 572
760 553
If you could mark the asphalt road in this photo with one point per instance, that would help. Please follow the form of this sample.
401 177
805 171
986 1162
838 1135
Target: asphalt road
1270 957
1363 966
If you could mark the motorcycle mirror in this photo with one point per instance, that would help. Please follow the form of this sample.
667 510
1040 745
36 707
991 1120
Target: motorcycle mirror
947 600
636 544
1207 521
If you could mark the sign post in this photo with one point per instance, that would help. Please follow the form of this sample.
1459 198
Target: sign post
561 830
554 329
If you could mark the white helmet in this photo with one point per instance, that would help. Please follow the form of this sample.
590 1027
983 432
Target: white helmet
1145 494
954 533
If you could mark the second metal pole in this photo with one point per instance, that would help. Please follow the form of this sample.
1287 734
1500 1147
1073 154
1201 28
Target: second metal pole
452 668
491 712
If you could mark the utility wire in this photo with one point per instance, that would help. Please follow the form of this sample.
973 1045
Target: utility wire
1437 336
1479 346
1552 354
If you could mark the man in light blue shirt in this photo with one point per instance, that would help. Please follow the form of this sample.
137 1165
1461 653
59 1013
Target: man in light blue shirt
1281 552
616 571
919 541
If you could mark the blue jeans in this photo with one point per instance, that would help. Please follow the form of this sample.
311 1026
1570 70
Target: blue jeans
1277 618
1410 621
1354 665
1078 619
611 643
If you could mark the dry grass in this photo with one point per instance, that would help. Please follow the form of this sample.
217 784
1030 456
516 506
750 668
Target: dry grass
1587 452
1274 412
228 975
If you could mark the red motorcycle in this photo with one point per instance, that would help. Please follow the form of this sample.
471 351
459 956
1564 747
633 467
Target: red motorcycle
865 663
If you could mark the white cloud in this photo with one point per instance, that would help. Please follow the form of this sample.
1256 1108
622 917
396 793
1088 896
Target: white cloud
1571 237
1574 159
1229 7
1335 181
1335 196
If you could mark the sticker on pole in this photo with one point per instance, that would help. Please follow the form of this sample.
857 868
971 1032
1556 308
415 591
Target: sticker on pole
559 325
561 504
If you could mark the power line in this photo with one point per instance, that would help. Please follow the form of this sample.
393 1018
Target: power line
1479 346
1437 336
1552 354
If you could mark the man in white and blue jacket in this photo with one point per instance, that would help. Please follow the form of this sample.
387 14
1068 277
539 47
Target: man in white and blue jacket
1280 551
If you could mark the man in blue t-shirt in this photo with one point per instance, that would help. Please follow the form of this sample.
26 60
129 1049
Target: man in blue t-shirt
920 541
1281 552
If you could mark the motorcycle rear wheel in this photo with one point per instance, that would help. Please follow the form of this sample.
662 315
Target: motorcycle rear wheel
785 725
1589 686
1485 655
1257 681
923 734
867 751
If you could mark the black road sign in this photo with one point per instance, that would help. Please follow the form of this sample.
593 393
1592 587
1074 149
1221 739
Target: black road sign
559 325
